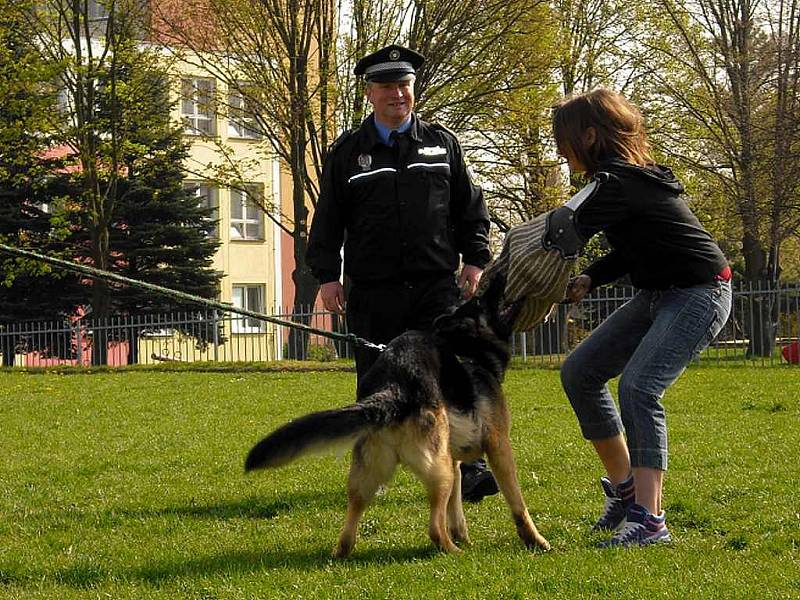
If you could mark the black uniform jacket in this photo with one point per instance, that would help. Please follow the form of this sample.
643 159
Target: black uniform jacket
654 235
401 214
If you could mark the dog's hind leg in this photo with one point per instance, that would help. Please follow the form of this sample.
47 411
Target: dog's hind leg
373 465
438 480
456 522
501 459
429 458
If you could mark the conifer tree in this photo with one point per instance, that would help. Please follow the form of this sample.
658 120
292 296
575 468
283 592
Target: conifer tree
29 194
116 198
159 233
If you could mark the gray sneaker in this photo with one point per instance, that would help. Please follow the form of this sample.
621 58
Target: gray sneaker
616 507
641 529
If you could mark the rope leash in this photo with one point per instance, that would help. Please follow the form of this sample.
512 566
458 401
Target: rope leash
102 275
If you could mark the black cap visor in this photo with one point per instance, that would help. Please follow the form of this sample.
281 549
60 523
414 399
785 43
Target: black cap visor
390 76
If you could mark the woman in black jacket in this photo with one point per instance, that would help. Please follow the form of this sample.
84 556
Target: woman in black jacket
683 300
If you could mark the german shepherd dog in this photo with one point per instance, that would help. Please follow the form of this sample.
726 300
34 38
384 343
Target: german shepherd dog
431 399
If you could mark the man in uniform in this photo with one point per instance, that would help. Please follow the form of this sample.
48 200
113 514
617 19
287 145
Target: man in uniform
396 192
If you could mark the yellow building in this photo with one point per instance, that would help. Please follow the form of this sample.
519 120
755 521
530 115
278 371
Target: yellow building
252 256
220 132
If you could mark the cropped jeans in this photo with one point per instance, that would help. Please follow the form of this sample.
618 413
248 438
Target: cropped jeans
649 341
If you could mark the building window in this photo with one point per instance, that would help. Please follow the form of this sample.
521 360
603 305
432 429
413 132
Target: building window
197 106
96 10
207 198
248 297
241 119
247 219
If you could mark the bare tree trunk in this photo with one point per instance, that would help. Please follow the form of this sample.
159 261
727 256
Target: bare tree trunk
305 285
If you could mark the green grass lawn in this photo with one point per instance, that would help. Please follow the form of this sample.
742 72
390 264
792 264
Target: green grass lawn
130 485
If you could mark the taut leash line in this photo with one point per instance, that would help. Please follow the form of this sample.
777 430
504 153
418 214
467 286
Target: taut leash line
102 275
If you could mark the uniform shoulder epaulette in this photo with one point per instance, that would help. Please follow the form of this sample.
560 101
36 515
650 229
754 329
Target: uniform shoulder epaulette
440 127
449 135
343 137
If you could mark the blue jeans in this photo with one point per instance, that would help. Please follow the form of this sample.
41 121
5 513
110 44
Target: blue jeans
649 340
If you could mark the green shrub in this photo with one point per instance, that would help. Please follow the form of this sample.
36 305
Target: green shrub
321 352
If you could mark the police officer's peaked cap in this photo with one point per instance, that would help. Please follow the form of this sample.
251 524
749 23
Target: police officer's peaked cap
392 63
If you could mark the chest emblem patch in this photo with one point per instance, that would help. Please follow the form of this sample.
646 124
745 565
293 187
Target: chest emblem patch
432 151
364 161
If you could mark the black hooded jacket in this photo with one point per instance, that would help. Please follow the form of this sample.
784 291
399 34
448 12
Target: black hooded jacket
655 237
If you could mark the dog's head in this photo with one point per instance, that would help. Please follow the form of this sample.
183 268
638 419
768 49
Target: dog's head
485 316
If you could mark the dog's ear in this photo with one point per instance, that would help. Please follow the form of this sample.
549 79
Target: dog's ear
506 316
460 320
492 296
501 315
443 322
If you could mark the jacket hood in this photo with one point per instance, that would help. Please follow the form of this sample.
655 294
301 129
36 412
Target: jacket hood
657 174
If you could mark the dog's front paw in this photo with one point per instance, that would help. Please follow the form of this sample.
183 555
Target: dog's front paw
543 543
343 549
536 541
530 536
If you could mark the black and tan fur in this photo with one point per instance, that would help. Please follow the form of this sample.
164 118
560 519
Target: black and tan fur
431 400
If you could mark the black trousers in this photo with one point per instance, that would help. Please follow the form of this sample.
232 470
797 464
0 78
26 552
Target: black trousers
380 312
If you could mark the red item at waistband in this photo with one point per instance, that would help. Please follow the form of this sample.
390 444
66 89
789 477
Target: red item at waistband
725 275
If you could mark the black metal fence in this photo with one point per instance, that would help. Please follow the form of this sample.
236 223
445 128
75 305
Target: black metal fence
762 330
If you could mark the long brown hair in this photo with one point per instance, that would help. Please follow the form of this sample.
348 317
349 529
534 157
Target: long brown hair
618 124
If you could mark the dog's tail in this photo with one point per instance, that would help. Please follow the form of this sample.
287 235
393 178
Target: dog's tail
319 431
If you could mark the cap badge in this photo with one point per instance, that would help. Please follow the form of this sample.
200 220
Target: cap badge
364 161
394 54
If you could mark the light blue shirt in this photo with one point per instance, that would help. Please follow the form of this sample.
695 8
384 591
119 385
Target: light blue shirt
384 132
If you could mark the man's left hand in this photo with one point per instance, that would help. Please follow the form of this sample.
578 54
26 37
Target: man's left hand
468 280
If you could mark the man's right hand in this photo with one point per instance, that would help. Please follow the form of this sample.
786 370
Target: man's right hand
578 287
332 295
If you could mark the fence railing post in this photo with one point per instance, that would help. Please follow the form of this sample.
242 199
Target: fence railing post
215 334
79 341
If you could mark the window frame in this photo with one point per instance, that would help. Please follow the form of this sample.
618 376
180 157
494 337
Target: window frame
96 11
241 118
246 221
241 324
203 109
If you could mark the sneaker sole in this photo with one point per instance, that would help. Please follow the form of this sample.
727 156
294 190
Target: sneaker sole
664 538
661 539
